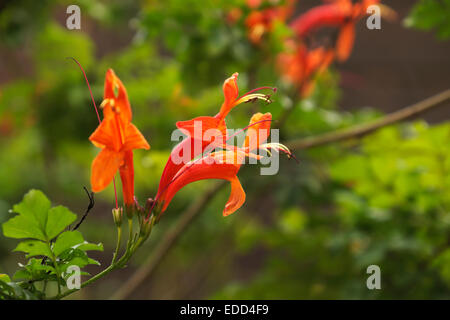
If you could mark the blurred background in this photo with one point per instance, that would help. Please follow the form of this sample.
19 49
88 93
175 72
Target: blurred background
309 232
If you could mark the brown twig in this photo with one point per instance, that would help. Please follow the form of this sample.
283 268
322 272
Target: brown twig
195 209
363 129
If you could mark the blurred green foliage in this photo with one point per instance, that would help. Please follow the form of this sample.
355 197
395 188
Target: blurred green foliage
431 15
309 232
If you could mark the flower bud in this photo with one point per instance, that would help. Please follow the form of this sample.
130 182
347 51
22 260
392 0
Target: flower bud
149 205
117 216
146 227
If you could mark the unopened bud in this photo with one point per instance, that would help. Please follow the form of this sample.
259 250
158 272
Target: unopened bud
146 227
117 215
149 205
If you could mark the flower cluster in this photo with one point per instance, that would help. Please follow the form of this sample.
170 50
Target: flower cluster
304 56
207 156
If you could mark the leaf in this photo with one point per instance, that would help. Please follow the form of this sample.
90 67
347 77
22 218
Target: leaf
67 240
32 218
34 248
86 246
4 277
20 227
36 220
6 291
34 206
22 274
58 219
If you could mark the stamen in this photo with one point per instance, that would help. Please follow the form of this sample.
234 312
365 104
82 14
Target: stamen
274 89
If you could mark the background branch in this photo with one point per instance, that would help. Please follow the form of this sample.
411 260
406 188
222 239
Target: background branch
363 129
170 238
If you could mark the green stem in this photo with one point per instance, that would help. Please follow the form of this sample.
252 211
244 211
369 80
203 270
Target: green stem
119 242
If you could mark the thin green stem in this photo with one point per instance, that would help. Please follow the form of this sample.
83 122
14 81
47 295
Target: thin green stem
118 244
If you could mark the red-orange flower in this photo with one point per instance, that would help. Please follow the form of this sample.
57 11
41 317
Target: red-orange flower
259 22
339 13
298 65
222 165
196 142
117 137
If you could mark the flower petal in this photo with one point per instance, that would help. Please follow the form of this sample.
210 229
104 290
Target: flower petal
107 135
134 139
115 91
230 92
345 41
209 167
236 199
104 167
258 131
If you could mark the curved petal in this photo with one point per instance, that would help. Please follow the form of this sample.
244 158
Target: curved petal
197 127
211 167
325 15
231 93
115 91
345 41
104 167
236 199
107 135
258 131
134 139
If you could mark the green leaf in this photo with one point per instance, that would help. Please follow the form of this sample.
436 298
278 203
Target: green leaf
20 227
34 248
67 240
86 246
34 206
32 218
58 219
6 291
36 220
4 277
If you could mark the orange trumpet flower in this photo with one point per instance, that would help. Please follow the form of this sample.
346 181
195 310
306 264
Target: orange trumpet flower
196 142
222 165
117 137
299 65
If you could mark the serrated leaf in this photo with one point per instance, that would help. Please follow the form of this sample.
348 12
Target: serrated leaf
34 248
20 227
58 219
66 240
34 206
36 220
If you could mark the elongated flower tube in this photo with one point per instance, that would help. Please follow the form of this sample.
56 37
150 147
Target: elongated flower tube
117 137
196 141
222 165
